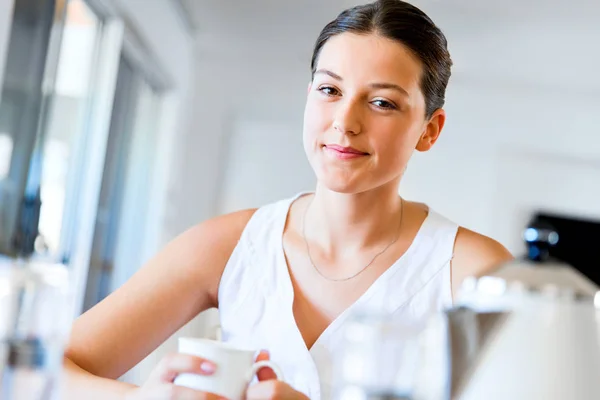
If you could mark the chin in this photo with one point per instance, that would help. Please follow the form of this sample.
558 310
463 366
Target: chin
342 177
342 185
353 182
341 189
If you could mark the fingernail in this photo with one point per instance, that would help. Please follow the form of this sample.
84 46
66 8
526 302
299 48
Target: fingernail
208 367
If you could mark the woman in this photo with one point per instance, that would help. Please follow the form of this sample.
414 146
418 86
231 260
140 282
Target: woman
286 276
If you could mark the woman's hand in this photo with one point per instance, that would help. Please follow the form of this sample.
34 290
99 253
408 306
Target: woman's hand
269 388
160 384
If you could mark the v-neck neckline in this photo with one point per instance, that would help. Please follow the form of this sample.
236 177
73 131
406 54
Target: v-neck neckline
338 321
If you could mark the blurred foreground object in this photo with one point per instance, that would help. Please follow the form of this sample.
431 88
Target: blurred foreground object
34 325
530 330
376 359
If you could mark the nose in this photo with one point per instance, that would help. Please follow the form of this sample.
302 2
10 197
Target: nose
347 119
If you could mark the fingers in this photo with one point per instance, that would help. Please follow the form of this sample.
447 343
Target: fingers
263 356
177 363
273 389
173 392
265 373
265 391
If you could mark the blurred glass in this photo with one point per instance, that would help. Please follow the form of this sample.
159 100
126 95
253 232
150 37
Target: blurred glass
377 359
35 309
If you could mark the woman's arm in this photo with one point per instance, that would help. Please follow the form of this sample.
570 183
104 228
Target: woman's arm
79 383
165 294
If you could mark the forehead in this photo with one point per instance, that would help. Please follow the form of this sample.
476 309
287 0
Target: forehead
370 58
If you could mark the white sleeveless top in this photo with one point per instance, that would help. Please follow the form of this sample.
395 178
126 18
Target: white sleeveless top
256 295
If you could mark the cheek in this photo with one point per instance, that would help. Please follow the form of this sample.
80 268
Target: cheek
390 149
395 143
315 121
308 132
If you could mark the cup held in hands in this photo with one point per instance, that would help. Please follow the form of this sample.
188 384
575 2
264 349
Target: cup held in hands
235 368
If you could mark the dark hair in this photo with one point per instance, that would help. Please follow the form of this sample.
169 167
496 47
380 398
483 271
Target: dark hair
405 23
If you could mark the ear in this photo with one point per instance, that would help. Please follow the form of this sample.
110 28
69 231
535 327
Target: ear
432 130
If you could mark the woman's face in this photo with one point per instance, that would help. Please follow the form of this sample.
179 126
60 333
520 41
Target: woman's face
365 113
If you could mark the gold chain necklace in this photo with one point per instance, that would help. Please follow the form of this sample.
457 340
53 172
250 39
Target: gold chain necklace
366 266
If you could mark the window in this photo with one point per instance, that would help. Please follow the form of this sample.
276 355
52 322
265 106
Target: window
31 46
81 99
65 128
125 184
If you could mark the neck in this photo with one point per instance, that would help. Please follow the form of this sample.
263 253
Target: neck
339 221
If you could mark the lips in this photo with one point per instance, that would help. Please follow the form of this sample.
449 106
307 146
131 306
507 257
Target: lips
345 150
342 153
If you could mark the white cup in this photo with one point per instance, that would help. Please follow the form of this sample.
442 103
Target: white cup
235 368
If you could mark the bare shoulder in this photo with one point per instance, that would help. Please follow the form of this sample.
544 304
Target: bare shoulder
475 255
205 248
219 233
162 296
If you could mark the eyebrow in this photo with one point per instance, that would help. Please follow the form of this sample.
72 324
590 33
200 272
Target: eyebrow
376 85
328 72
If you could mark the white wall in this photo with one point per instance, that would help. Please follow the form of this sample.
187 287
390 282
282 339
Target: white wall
282 170
249 106
163 32
508 152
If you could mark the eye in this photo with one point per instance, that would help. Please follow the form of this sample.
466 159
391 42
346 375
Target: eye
384 104
329 91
